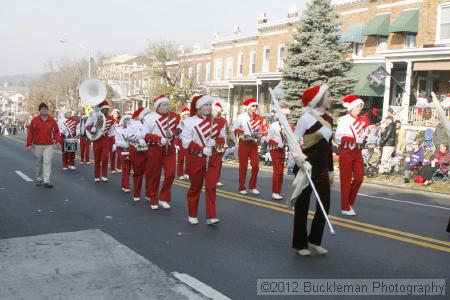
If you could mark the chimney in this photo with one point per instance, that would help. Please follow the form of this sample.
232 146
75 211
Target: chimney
262 18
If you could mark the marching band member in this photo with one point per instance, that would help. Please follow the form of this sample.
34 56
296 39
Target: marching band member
138 150
112 153
276 143
350 135
69 128
182 170
101 146
159 131
315 128
249 129
85 143
121 146
221 122
201 138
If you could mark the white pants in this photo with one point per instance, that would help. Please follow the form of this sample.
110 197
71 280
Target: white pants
386 156
43 155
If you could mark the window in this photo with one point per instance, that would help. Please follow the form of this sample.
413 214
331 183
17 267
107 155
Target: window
198 73
281 56
381 43
252 66
208 71
218 69
229 68
410 40
443 23
240 64
190 72
357 50
266 61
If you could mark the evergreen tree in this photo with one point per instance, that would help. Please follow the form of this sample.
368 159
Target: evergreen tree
316 56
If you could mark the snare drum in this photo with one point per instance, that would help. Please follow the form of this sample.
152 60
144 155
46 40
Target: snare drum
70 145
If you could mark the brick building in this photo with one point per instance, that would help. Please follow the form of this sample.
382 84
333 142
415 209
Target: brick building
411 39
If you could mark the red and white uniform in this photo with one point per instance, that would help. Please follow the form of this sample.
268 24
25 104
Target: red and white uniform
275 142
182 168
69 129
122 149
85 143
101 146
350 135
247 124
134 135
197 135
159 131
112 154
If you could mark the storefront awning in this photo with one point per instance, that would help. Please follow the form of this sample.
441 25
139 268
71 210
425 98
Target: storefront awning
354 34
437 65
363 86
408 21
378 26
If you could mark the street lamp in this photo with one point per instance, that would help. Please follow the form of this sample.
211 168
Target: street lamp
62 41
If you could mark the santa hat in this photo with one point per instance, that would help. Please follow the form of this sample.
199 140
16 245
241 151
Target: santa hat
103 104
351 102
128 112
115 110
184 111
160 100
140 113
312 96
249 101
126 117
199 101
217 106
285 109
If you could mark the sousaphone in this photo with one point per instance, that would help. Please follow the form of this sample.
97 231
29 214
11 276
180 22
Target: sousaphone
92 92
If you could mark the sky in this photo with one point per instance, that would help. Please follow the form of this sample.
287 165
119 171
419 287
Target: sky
30 30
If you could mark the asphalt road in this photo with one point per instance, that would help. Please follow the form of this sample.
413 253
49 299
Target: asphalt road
396 234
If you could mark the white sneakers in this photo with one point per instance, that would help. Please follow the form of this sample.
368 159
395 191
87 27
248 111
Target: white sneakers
243 192
306 252
104 179
125 190
255 192
119 170
219 184
350 212
154 207
164 204
136 199
276 196
65 169
212 221
181 178
72 167
113 171
193 221
96 179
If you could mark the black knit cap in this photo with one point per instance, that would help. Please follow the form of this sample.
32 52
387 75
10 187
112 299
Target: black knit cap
42 105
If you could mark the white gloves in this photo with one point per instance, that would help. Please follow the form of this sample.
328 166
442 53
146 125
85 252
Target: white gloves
280 145
114 148
331 177
163 141
211 143
306 166
142 143
177 148
359 140
299 159
207 151
93 129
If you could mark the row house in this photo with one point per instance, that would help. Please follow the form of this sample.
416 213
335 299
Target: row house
411 40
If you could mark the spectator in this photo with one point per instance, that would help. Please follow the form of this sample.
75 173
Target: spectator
422 101
414 160
387 143
439 135
439 161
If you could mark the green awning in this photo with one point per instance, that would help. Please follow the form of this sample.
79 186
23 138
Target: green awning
408 21
378 26
363 86
354 34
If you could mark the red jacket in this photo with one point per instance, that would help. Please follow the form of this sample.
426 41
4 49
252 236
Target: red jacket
42 132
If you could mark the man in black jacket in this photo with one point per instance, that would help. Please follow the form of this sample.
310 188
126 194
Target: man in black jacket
387 143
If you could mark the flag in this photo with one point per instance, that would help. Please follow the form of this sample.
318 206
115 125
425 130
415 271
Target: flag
376 77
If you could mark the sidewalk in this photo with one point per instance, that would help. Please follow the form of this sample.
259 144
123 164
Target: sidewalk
390 181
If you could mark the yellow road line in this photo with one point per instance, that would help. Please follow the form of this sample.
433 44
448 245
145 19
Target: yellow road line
351 224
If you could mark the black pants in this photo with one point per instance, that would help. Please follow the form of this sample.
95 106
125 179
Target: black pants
300 239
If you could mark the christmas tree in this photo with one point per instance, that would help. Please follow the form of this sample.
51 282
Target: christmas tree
316 56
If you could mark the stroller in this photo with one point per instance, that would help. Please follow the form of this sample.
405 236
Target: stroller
371 153
440 176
